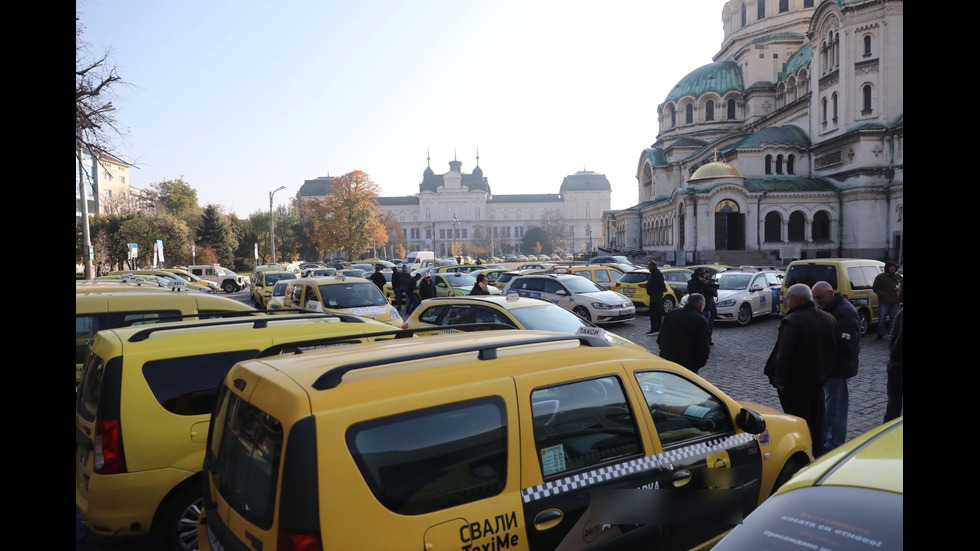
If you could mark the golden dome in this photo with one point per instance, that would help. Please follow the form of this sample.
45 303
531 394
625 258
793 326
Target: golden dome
715 169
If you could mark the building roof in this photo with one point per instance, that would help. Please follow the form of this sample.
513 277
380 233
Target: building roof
475 181
585 180
801 58
320 186
775 135
529 198
720 77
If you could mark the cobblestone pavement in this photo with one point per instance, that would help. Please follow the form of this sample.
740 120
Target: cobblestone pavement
734 366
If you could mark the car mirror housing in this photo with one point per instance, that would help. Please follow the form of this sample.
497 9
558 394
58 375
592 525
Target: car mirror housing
750 421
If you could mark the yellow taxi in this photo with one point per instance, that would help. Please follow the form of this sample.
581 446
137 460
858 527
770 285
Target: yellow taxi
511 439
194 279
491 273
340 294
605 276
164 277
634 285
498 311
145 399
264 282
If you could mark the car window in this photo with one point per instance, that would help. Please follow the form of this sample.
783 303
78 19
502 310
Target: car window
351 295
549 317
635 277
582 424
434 458
733 282
862 277
810 274
681 410
189 385
581 285
774 278
602 276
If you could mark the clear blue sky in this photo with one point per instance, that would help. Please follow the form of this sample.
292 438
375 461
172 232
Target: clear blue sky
241 97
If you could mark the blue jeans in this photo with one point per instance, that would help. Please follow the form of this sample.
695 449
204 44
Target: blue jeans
895 390
886 311
835 411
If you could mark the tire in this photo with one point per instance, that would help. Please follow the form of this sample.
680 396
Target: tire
744 315
175 524
582 312
668 304
865 318
791 467
230 286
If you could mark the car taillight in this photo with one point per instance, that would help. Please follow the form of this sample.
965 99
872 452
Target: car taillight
297 541
643 286
109 458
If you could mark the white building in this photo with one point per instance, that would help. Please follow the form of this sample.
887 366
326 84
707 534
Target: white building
803 109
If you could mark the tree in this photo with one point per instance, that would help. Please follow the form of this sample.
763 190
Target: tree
145 229
176 197
95 124
348 219
536 240
215 233
556 229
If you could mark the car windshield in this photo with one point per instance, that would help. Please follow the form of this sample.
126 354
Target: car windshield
272 279
351 295
549 317
733 282
459 279
280 289
579 284
227 272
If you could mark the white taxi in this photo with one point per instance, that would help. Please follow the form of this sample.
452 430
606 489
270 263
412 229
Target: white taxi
578 294
744 295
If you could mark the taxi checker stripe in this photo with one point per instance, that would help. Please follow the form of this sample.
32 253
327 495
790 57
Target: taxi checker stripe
611 472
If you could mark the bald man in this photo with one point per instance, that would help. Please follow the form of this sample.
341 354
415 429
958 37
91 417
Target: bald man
848 347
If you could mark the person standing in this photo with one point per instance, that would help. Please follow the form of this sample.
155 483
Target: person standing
481 286
427 289
412 297
379 278
802 359
398 283
885 286
655 289
896 361
848 335
702 282
684 335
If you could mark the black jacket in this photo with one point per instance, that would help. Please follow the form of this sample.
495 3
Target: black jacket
848 337
685 338
655 283
806 348
427 288
379 279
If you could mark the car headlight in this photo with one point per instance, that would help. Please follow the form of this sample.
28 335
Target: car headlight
726 302
601 306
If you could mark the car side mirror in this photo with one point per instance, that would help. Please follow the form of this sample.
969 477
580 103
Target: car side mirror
757 288
750 421
561 293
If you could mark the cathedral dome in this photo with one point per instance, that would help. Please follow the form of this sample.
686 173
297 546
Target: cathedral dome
720 77
715 169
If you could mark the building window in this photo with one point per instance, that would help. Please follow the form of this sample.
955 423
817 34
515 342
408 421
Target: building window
761 10
833 99
823 110
680 226
743 14
866 99
783 6
789 164
768 164
807 3
709 111
867 46
779 164
122 179
797 226
731 109
773 229
688 114
673 117
821 226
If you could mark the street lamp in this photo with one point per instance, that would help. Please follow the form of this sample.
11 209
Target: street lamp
588 233
455 225
272 223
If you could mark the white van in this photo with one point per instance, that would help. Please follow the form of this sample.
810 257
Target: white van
416 260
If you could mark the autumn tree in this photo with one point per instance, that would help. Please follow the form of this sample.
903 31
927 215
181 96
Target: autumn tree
556 228
215 233
347 219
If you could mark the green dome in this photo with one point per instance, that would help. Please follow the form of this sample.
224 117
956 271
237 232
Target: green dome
720 77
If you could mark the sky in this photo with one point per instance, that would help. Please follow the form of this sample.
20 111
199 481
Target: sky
240 97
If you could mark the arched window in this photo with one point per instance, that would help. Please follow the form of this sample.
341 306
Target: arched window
731 109
773 229
797 226
779 164
823 110
673 117
833 99
790 161
824 61
688 114
867 45
680 226
761 10
821 226
768 164
743 14
709 111
866 99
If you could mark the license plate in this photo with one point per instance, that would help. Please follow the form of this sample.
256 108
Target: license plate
82 456
623 312
628 291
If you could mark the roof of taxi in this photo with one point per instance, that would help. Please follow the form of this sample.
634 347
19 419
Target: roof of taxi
504 301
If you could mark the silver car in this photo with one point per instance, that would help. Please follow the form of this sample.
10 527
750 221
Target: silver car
743 296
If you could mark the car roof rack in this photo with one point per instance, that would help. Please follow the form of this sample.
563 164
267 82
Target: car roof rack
485 351
259 322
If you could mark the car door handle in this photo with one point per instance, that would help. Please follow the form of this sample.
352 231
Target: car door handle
680 478
547 519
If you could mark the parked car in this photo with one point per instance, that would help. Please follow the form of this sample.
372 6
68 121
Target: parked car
172 279
605 276
263 283
611 259
194 279
851 277
713 269
342 295
226 279
676 279
578 294
509 439
454 284
851 499
634 286
743 296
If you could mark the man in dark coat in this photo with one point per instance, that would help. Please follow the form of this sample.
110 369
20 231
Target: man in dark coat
655 289
702 282
684 335
846 366
398 285
802 359
427 289
885 286
411 284
379 278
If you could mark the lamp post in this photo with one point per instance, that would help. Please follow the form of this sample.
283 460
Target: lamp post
588 233
455 250
491 235
272 223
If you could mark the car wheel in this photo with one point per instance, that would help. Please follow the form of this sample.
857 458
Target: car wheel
582 312
175 524
791 467
230 287
865 318
669 304
744 315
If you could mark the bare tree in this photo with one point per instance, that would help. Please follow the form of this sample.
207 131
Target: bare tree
95 124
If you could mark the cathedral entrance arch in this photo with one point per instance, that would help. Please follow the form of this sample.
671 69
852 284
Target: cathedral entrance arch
729 226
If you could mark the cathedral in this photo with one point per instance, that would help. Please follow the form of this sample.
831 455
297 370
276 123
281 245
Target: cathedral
788 145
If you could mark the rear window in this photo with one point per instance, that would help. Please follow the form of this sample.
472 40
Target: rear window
351 295
189 385
810 274
87 325
634 277
435 458
862 277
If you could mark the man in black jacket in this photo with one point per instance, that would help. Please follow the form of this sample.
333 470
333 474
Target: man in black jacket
378 278
846 366
802 359
684 335
398 277
655 289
